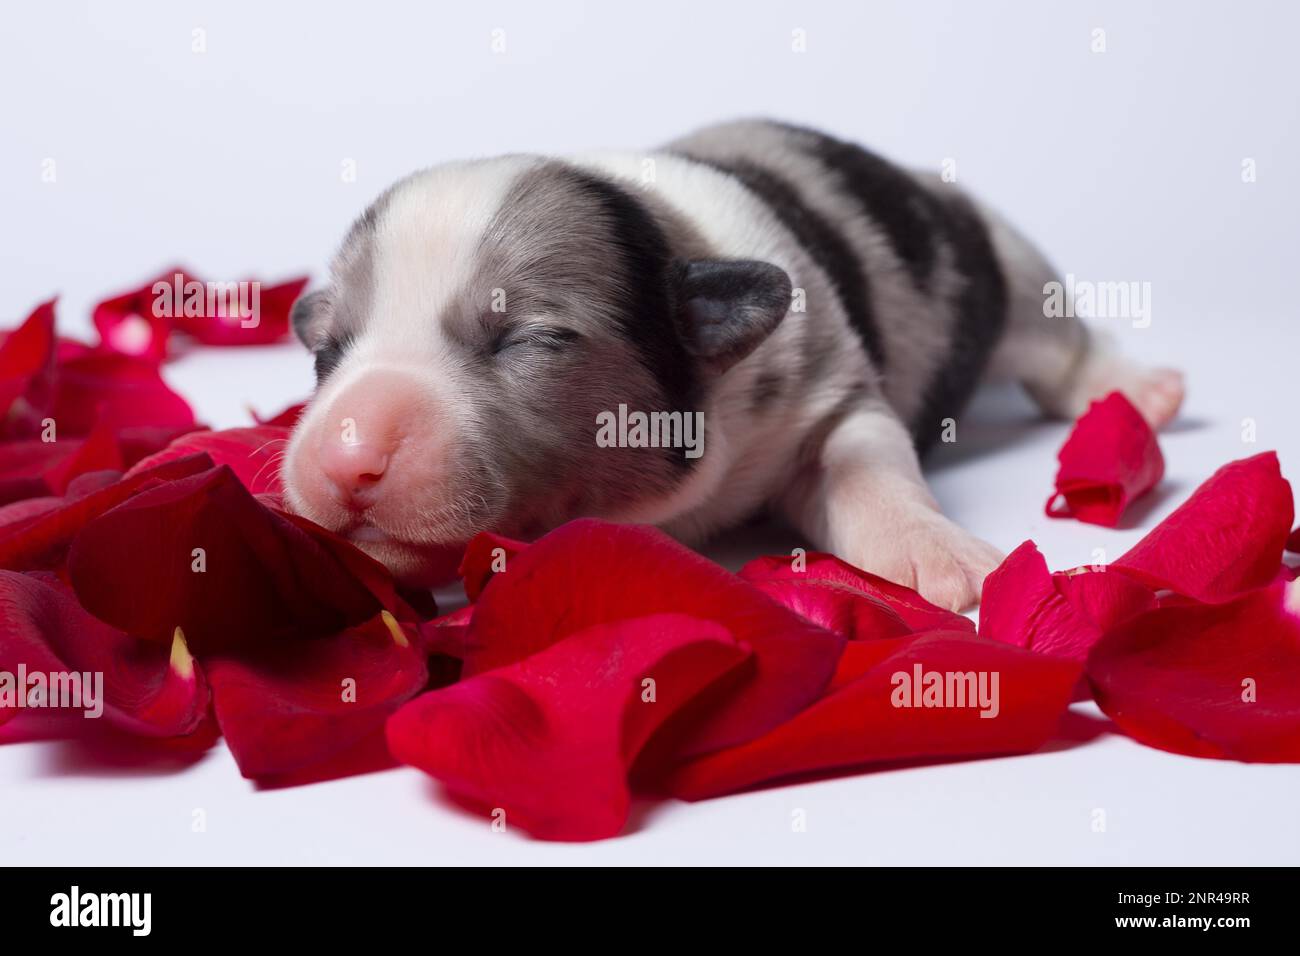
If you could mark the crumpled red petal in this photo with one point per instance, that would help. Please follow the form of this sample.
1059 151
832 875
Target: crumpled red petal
38 537
98 451
149 688
47 381
34 468
256 576
366 571
852 614
20 512
826 569
590 572
447 634
1063 614
861 722
486 554
549 740
1110 460
139 323
134 323
286 705
27 356
25 464
1105 599
253 454
1209 680
1227 538
286 418
272 319
124 391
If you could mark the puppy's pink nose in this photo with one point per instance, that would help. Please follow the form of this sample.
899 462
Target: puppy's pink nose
370 441
354 467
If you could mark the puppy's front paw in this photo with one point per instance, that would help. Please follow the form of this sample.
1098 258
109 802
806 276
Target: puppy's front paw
934 557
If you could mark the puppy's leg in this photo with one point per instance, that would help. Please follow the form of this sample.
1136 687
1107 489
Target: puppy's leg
1064 368
864 499
1060 361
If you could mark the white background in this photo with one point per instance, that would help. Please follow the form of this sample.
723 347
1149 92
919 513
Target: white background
1125 165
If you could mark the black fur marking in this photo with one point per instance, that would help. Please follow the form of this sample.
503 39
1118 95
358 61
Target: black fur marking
640 251
826 245
981 316
916 220
910 215
329 354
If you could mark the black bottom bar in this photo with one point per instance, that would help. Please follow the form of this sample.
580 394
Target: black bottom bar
299 906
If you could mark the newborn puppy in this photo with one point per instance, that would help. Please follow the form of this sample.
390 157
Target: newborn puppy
493 329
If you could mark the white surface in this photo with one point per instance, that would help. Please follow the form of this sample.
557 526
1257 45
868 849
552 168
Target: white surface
1125 165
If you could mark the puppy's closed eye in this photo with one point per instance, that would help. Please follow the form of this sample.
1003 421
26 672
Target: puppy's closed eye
551 338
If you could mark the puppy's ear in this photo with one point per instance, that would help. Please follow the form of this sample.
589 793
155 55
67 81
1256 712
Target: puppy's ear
726 308
310 315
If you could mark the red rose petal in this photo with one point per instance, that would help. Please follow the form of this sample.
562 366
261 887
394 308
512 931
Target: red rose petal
99 451
590 572
366 571
1107 599
123 391
253 454
447 634
858 723
1110 459
264 576
27 351
40 540
858 658
848 612
138 442
25 463
90 482
34 468
151 689
916 611
485 555
287 418
1226 538
269 324
1021 606
549 740
1178 678
287 705
1026 606
138 323
20 512
26 372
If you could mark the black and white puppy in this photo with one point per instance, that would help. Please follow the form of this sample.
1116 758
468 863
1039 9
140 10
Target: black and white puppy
825 312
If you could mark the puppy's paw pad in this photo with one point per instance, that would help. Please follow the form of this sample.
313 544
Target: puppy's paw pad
956 578
944 563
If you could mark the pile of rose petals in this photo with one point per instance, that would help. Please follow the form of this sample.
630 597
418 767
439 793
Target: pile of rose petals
792 667
601 660
1190 641
604 654
141 322
136 544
